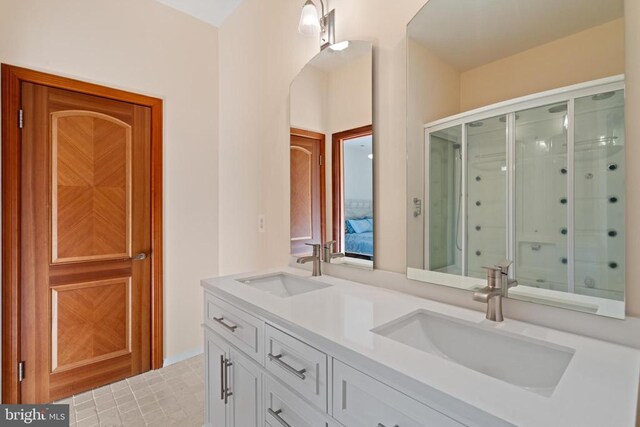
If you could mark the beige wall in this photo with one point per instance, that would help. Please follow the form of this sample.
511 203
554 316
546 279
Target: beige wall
350 95
588 55
310 100
144 47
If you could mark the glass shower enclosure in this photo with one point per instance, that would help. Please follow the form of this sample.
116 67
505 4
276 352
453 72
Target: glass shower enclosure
538 180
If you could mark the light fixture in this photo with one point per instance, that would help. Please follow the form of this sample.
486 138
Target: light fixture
311 23
340 46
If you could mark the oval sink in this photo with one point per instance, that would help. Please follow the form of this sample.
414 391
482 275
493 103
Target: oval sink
283 285
525 362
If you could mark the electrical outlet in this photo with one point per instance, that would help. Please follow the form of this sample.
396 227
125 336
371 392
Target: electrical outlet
262 223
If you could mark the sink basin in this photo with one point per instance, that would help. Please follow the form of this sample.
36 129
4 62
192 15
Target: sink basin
283 285
525 362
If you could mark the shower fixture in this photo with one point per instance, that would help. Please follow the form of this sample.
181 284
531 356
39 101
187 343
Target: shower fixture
503 119
558 109
602 96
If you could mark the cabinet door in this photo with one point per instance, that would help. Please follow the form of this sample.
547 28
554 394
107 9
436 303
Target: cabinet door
215 356
362 401
282 407
245 384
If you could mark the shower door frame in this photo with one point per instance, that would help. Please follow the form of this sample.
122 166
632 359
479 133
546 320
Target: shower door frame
509 109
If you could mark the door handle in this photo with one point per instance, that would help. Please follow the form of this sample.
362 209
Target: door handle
227 391
222 374
140 257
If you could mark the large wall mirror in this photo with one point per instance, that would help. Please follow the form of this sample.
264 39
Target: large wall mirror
331 150
516 148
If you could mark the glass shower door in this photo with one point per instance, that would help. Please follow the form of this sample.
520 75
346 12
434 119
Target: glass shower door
445 197
541 197
486 194
599 193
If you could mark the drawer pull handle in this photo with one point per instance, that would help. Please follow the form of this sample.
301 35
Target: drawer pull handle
382 425
276 415
220 320
278 361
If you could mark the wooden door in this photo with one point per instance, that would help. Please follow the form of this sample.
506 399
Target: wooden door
85 241
307 190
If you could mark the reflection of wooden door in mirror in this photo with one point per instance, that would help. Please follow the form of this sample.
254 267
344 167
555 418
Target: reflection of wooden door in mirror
85 213
307 190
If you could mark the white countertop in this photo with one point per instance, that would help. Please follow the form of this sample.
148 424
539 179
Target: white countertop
599 387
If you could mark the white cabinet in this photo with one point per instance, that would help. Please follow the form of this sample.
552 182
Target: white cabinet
300 366
236 326
259 375
215 357
233 386
362 401
245 386
282 408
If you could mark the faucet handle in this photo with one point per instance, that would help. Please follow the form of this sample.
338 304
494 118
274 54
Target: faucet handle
329 244
504 266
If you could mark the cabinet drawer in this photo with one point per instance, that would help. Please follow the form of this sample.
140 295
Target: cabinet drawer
300 366
359 400
240 328
282 405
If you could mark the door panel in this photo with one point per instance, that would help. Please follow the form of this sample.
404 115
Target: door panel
91 187
301 194
245 406
306 193
90 322
216 354
85 212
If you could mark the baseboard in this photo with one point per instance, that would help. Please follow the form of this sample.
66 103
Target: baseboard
182 356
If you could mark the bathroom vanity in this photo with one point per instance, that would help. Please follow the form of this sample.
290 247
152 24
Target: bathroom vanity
286 349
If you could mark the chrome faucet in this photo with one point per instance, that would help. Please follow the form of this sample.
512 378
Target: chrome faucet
315 257
498 284
328 255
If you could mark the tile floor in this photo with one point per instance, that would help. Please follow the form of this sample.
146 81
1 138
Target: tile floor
171 396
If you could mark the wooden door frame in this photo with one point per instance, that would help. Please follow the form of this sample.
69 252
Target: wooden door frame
337 175
12 79
323 194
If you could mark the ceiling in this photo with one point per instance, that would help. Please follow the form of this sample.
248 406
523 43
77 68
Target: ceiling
213 12
470 33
